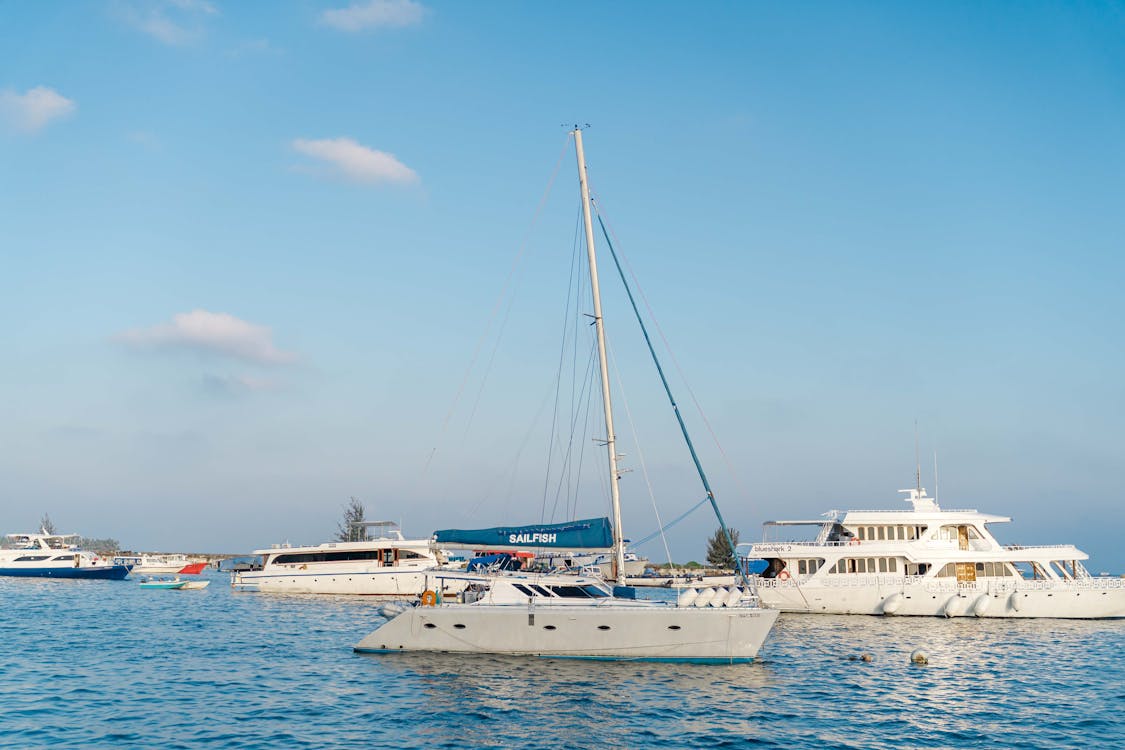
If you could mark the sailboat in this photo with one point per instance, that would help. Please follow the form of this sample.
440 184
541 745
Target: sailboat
579 617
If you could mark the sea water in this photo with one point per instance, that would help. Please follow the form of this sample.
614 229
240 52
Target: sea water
107 664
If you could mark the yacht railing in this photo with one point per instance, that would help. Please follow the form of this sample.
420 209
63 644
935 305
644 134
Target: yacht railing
911 511
936 585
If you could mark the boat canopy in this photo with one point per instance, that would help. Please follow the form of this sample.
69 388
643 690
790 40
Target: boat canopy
590 533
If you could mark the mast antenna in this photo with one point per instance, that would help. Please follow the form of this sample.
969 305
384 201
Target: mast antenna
917 462
935 475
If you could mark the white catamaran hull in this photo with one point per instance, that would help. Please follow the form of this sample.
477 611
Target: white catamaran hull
619 632
1089 599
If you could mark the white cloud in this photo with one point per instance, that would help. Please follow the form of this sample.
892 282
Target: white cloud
173 22
32 111
236 385
218 333
374 14
357 162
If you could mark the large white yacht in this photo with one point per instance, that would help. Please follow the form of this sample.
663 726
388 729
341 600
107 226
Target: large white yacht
54 556
386 564
925 561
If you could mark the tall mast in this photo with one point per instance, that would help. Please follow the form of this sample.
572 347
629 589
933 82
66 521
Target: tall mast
599 326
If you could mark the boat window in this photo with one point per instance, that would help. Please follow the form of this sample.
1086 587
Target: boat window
570 592
32 558
405 554
539 590
862 533
882 532
549 627
594 592
892 565
949 571
802 567
524 589
882 565
334 556
64 557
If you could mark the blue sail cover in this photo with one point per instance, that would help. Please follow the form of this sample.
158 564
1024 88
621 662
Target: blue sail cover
590 533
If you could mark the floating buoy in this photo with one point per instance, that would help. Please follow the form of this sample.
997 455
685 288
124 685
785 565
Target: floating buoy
980 606
704 598
1015 601
687 597
892 603
918 656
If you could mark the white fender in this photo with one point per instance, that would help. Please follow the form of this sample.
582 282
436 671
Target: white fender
892 603
720 598
734 597
980 606
704 598
391 610
954 607
687 597
1014 600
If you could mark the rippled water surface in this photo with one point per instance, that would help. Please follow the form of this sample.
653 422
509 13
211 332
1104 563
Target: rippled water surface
107 664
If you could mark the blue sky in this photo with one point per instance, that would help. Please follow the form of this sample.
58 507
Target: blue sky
250 249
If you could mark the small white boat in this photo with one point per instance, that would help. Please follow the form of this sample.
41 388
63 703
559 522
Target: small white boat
163 584
174 584
144 564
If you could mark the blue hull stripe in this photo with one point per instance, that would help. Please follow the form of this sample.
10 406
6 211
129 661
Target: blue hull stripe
114 573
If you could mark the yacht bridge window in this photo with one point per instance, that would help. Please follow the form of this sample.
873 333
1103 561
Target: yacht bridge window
387 556
865 565
889 533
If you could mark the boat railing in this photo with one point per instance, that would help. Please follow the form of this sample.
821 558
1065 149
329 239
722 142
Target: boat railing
939 585
910 511
1018 547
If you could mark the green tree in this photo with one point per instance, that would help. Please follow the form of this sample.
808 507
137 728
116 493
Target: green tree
719 552
348 531
47 525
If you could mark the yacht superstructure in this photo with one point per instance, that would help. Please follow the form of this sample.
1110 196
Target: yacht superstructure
926 561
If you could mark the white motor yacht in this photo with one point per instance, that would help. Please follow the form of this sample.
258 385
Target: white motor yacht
54 556
386 564
926 561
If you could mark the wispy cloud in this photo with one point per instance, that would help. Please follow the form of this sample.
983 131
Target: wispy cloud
31 111
218 333
375 14
356 162
173 22
236 385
